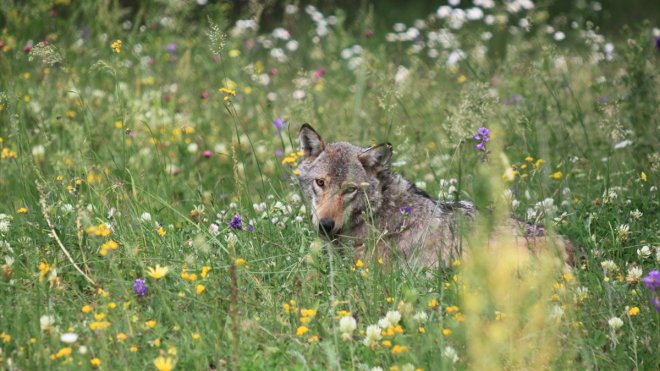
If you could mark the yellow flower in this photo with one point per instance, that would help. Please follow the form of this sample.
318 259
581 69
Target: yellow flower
196 336
87 308
451 309
151 323
22 210
171 351
421 330
398 349
239 262
313 339
158 272
446 332
95 362
6 338
461 79
44 268
308 312
386 343
99 316
63 352
161 232
234 53
642 176
205 271
200 289
164 363
133 349
301 330
432 303
99 325
389 299
538 163
633 311
121 336
116 46
359 264
112 305
529 158
557 175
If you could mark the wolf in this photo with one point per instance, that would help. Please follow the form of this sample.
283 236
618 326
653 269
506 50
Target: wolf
353 197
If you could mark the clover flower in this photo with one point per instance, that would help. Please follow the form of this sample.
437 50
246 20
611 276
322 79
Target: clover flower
347 325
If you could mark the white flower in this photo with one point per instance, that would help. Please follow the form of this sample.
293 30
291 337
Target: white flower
401 74
347 325
450 353
474 14
609 266
291 9
634 274
421 317
38 151
623 144
623 231
145 217
214 229
644 252
292 45
443 12
4 225
559 36
615 323
298 94
69 337
372 335
82 349
392 318
556 313
46 322
193 147
636 214
281 33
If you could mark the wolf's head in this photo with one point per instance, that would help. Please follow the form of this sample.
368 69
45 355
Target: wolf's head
341 181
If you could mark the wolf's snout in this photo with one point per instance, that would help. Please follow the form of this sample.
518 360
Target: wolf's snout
326 225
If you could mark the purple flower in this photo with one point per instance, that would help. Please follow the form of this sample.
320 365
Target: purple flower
405 211
171 47
482 136
279 124
235 223
657 43
140 287
652 281
250 228
278 153
656 303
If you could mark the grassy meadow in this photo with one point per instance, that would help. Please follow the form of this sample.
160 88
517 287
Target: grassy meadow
151 218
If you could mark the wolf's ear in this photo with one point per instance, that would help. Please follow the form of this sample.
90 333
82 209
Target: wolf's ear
311 143
376 159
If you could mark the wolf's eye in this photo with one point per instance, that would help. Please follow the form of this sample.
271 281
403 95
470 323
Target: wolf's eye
350 188
320 182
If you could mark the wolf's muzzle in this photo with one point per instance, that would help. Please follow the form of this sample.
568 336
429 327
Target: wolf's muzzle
326 225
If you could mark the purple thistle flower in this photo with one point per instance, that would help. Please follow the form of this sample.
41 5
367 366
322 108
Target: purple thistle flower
235 223
140 287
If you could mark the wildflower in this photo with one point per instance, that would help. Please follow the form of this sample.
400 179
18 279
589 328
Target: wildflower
235 223
634 274
636 214
6 338
87 308
199 289
239 262
164 363
109 245
158 272
46 322
633 311
643 176
451 309
556 175
196 336
609 266
398 349
22 210
405 211
99 325
133 349
433 303
279 125
359 264
301 330
151 323
64 352
140 287
623 231
69 337
121 336
228 93
373 336
205 271
44 268
652 281
615 323
161 231
95 362
116 46
482 136
446 332
450 353
347 325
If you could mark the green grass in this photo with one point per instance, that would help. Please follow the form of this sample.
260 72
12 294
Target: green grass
93 137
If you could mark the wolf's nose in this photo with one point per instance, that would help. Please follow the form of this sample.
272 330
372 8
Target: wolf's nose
326 225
